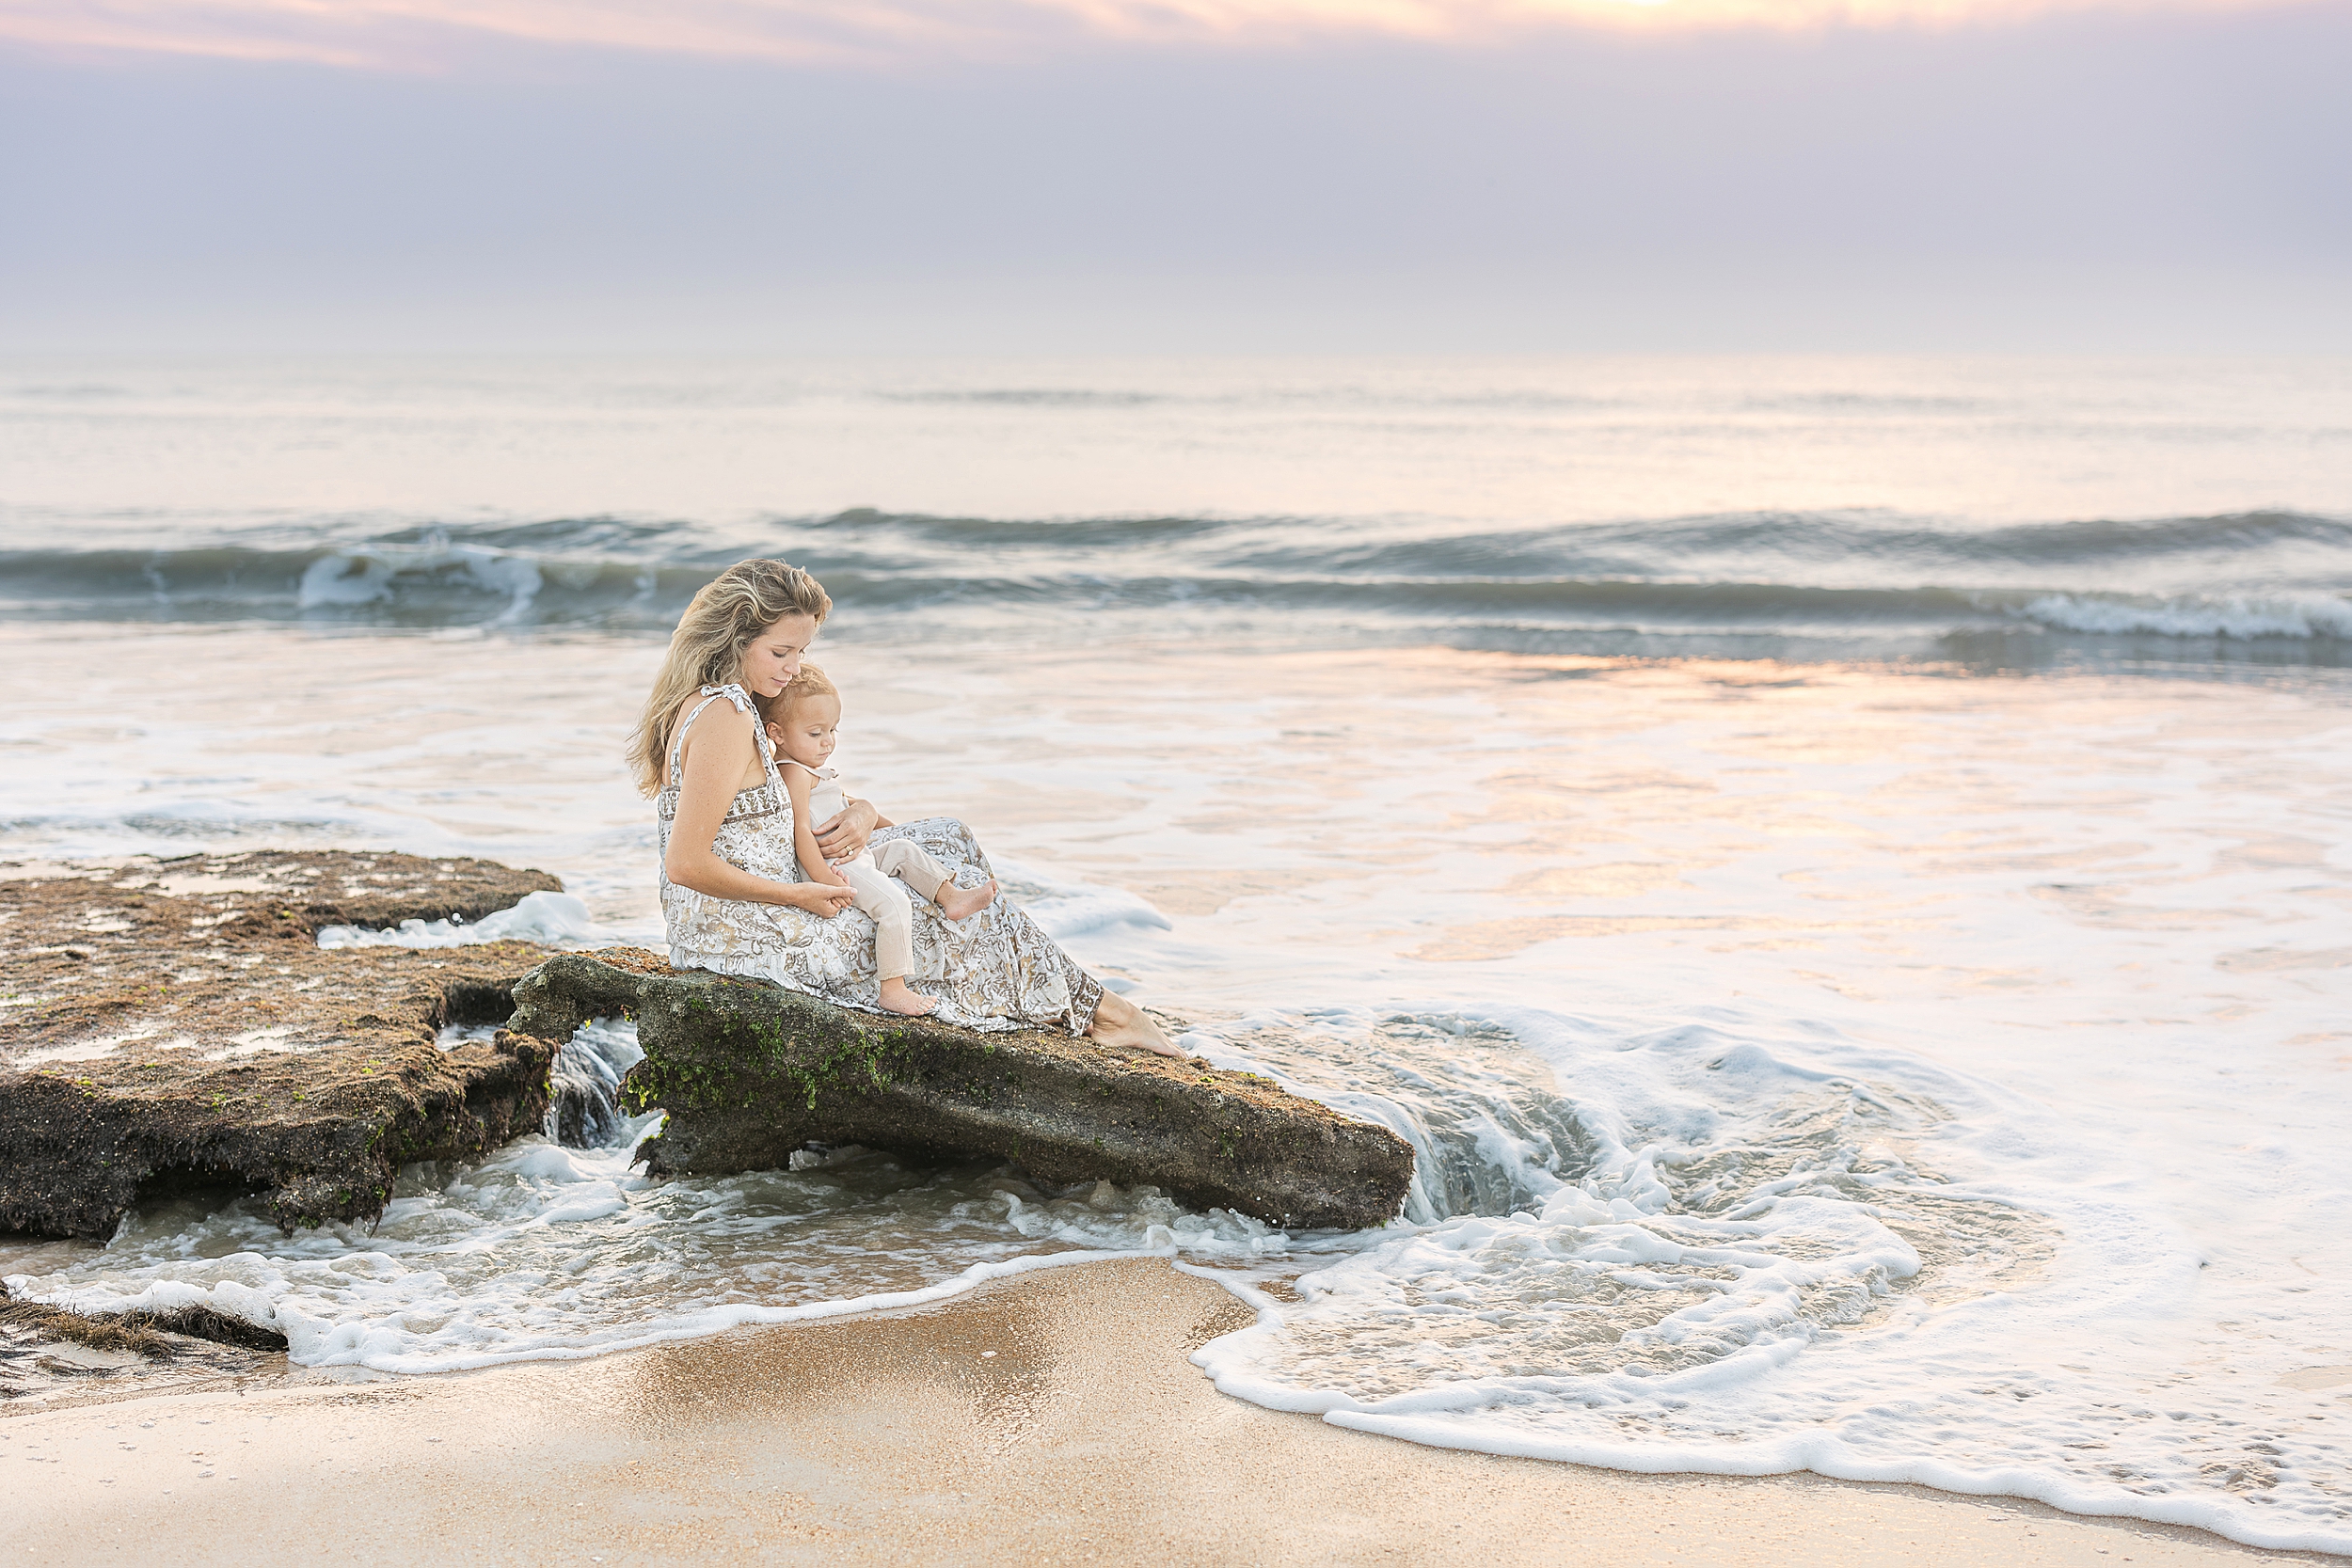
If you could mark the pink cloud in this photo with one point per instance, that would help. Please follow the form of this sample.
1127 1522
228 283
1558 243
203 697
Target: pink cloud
427 34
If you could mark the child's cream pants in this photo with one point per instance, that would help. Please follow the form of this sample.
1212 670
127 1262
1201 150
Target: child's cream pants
877 875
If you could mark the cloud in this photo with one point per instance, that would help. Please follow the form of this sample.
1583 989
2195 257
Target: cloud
436 33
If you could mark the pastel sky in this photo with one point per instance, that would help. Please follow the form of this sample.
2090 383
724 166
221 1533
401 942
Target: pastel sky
1059 176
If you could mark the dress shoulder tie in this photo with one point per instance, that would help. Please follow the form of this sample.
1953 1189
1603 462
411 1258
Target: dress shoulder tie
743 704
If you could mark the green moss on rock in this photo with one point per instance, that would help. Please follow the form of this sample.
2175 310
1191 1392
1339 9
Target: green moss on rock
749 1073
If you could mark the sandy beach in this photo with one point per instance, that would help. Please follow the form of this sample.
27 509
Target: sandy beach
1050 1418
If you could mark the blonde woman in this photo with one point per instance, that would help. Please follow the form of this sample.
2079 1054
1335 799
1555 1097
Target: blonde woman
732 891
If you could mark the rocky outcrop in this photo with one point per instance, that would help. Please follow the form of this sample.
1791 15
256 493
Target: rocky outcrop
750 1072
168 1026
172 1025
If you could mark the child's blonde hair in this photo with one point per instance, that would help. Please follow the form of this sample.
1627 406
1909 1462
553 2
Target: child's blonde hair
810 682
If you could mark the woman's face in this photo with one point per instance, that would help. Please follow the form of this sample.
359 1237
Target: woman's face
774 656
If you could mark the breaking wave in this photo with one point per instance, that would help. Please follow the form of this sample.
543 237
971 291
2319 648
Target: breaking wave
2263 586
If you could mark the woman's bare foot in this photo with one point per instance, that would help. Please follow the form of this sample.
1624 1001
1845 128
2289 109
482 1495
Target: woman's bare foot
1120 1021
962 903
896 998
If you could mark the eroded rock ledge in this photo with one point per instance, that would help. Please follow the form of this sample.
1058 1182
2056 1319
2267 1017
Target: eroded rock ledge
750 1072
172 1024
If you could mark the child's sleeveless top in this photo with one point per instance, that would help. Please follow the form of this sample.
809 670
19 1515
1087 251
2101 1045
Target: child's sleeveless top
827 797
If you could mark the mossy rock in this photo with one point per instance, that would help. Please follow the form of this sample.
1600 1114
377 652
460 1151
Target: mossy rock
749 1073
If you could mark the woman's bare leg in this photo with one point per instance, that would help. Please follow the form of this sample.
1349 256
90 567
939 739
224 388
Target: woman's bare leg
1120 1021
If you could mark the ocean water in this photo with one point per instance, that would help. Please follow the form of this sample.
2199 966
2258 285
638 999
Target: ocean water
1840 868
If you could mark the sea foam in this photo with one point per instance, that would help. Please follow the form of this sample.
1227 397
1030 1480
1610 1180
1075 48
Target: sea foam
549 919
2240 617
1792 1252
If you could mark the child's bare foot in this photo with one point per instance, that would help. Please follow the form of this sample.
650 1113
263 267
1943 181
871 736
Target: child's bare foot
960 903
896 998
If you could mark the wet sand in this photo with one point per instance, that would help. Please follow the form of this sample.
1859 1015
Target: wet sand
1050 1418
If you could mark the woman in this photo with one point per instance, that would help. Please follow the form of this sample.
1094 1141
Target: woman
731 891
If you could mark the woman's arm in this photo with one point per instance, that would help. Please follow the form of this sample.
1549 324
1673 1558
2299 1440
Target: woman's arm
813 863
719 750
844 834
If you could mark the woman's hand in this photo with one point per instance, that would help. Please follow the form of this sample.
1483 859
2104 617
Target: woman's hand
819 898
719 752
845 832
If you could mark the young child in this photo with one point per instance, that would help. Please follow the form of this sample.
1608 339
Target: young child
802 721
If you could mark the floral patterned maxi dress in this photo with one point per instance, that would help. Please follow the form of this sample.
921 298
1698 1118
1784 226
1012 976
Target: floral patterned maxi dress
995 970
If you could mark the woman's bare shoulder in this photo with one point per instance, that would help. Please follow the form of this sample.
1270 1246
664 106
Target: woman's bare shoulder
728 728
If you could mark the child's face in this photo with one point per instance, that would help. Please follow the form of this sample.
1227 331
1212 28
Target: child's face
804 731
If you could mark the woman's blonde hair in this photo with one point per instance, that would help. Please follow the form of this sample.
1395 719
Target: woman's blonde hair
708 647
